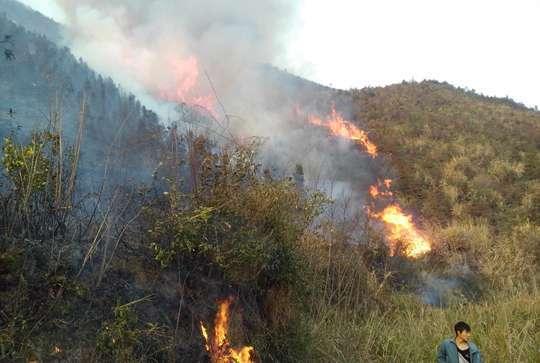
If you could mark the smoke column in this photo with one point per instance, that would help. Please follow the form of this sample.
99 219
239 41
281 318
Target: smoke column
160 49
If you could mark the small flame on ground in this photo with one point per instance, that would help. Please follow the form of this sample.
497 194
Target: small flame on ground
377 190
217 345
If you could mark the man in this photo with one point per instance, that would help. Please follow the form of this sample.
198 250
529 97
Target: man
459 349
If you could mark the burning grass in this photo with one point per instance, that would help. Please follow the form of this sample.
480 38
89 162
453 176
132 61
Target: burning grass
124 282
340 127
138 278
399 226
217 343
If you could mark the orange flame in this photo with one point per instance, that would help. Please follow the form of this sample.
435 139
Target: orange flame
400 226
183 88
377 190
170 76
340 127
218 346
402 230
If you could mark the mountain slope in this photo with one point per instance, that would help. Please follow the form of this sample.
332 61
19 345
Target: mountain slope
31 20
137 274
459 155
46 85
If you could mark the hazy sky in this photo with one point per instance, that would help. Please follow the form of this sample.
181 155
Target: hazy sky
491 46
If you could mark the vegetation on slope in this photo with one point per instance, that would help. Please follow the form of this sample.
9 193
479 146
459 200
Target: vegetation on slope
127 273
468 166
44 84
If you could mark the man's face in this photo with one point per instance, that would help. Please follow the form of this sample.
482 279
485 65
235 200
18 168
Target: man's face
464 335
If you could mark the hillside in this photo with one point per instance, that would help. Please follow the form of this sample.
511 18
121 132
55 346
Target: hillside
468 166
122 240
31 20
460 156
45 86
172 257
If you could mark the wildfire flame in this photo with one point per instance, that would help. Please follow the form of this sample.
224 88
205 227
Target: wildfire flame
340 127
400 226
375 192
402 229
218 345
170 76
185 76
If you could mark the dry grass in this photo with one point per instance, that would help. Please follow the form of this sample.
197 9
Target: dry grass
505 329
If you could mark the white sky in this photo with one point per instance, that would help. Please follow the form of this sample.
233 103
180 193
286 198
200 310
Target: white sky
491 46
46 7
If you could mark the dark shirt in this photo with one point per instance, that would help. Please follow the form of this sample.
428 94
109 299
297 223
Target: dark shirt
466 353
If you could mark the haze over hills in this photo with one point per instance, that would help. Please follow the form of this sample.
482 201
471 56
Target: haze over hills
32 20
44 85
256 229
261 105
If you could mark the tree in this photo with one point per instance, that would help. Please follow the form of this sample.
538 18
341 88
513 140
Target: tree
8 47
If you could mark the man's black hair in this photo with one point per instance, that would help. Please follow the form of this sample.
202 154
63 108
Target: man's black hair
461 326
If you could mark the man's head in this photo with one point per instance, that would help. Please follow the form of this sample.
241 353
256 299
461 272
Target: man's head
463 331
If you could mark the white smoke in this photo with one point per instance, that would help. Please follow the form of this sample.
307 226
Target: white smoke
161 49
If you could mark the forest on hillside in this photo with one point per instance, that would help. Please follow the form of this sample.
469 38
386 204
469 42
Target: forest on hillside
45 85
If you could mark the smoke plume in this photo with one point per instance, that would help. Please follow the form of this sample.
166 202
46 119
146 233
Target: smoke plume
161 49
169 52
